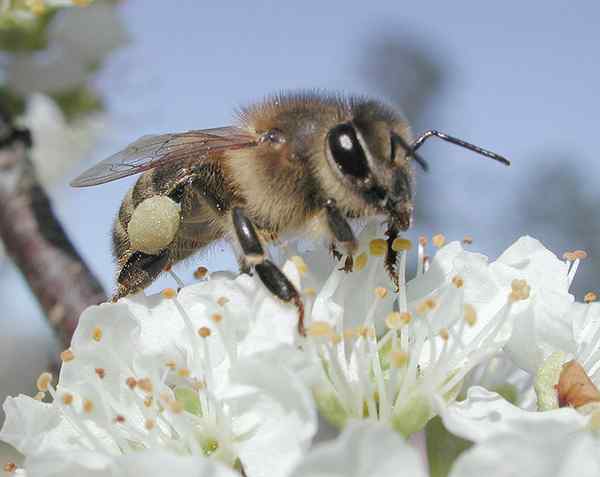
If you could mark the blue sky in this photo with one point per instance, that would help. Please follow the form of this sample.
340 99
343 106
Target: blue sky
522 79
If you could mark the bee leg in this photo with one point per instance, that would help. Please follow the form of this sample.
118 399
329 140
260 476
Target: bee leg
140 270
270 275
342 232
391 257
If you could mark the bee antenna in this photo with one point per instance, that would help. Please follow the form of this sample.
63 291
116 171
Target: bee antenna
410 151
459 142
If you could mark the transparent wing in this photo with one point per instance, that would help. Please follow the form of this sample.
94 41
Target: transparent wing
152 151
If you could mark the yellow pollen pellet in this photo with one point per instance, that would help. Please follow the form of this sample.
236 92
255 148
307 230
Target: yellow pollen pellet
169 293
100 372
88 406
381 292
320 328
444 334
300 264
145 385
66 356
458 281
176 406
67 399
10 467
470 314
39 396
423 241
438 240
222 301
377 247
467 240
590 297
204 332
171 364
399 359
200 273
149 424
131 382
401 245
216 317
97 333
184 372
119 419
43 381
360 262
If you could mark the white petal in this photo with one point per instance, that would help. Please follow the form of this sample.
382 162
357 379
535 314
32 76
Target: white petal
364 449
154 463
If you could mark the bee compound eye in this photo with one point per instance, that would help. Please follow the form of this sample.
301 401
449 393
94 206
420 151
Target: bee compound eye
347 152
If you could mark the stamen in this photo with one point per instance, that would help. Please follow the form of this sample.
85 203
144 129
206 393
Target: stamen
149 424
438 240
10 467
590 297
216 317
43 381
458 281
520 291
399 359
320 329
360 262
97 333
66 356
381 292
145 384
171 364
377 247
204 332
444 334
467 240
169 293
470 314
222 301
119 419
184 373
100 372
67 399
401 245
200 273
131 382
88 406
176 406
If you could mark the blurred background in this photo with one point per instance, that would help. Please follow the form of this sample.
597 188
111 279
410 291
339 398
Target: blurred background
509 76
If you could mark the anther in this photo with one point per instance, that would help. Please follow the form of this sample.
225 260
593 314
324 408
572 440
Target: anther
377 247
222 300
361 262
67 399
216 317
401 245
519 291
131 382
169 293
204 332
88 406
580 254
119 419
470 314
590 297
97 333
444 334
320 328
167 268
381 292
148 401
423 241
145 385
399 359
438 240
300 264
467 240
43 381
100 372
176 406
66 356
171 364
200 273
183 372
458 281
10 467
149 424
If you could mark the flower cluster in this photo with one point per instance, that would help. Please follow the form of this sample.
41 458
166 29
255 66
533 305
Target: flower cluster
214 379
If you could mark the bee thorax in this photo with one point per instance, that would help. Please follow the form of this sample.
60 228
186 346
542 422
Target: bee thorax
153 224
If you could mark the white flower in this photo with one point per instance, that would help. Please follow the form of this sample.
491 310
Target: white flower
57 144
180 374
511 441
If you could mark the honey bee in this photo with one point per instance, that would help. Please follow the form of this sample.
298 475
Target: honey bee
293 160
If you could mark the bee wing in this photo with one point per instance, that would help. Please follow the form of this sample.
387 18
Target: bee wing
152 151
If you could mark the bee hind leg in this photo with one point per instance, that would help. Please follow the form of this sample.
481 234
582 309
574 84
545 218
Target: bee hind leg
140 270
270 275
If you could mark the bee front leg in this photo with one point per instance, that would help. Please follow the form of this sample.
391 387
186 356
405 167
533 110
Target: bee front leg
270 275
342 233
140 270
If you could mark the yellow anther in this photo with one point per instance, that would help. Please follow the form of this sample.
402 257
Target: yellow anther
467 240
360 262
381 292
131 382
519 291
458 281
176 406
401 245
222 301
43 381
97 333
431 303
394 320
10 467
100 372
569 256
171 364
204 332
320 328
377 247
88 406
590 297
422 308
438 240
184 372
149 424
169 293
470 314
145 385
399 359
300 264
580 254
148 401
67 399
444 334
200 273
216 317
423 241
66 356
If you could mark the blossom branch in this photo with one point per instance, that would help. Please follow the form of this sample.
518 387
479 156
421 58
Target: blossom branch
36 241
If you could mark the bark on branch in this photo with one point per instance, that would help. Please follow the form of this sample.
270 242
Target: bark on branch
35 240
